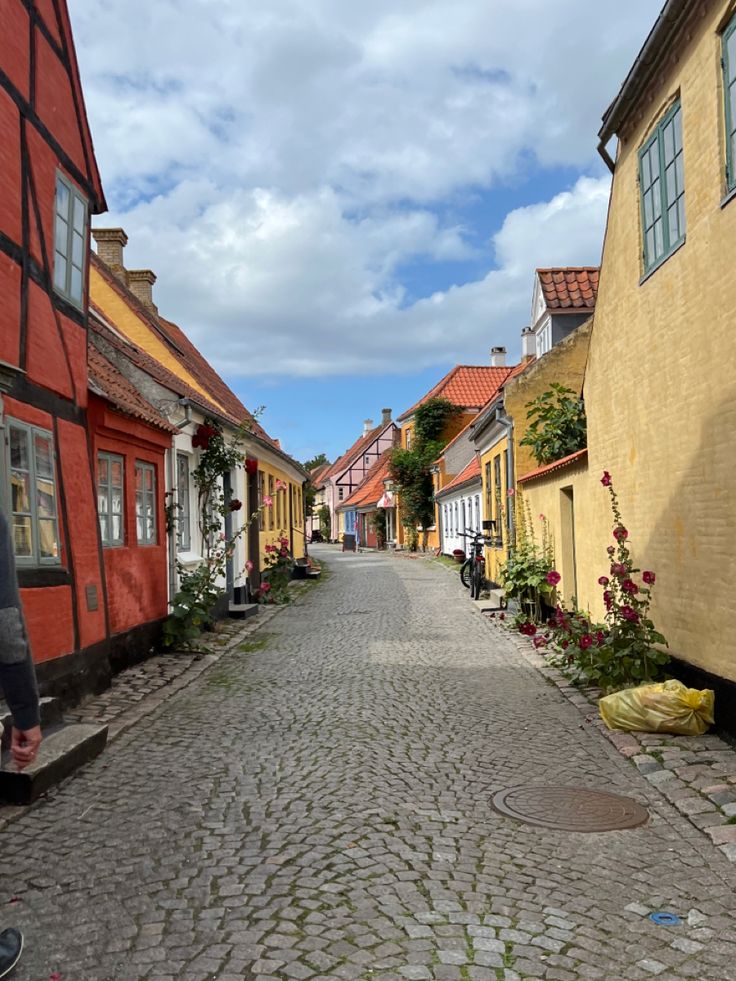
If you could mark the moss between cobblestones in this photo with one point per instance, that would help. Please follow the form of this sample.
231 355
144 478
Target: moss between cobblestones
258 643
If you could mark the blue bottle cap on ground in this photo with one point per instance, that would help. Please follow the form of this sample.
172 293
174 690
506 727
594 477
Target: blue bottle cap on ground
664 919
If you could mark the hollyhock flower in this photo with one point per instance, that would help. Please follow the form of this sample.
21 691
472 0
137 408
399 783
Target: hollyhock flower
620 533
528 628
600 638
586 641
553 577
249 566
501 616
608 600
603 581
265 586
629 614
629 586
618 569
281 485
267 501
649 578
539 642
203 436
221 536
610 549
606 479
235 505
270 548
283 552
565 644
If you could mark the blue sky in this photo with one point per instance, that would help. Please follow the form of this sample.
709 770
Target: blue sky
341 201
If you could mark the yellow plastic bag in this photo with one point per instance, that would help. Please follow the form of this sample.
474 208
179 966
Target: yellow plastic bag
664 707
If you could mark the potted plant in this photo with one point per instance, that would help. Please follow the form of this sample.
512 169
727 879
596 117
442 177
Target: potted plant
458 555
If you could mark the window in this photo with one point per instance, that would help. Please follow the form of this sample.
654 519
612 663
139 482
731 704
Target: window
110 471
33 516
145 502
662 185
278 508
271 509
478 522
184 514
70 241
340 493
261 482
489 491
728 59
544 340
498 498
408 439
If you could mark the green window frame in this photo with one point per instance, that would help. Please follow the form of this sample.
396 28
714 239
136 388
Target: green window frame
33 495
110 498
70 241
662 189
728 61
145 502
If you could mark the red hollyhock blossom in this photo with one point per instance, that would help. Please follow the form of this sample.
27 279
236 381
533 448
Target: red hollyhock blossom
629 614
270 548
539 642
606 479
586 641
265 586
649 578
284 552
629 586
553 577
528 628
610 549
600 638
603 581
235 505
203 436
620 533
501 616
565 644
608 600
618 569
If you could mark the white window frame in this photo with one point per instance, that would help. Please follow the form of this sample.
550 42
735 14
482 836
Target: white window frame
31 432
144 499
108 539
71 222
183 500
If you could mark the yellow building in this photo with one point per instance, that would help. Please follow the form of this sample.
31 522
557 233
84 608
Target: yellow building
491 436
659 384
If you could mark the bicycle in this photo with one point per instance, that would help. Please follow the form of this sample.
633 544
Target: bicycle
472 571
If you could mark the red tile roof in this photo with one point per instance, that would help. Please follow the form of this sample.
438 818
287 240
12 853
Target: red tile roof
570 287
468 386
107 381
370 491
557 465
316 476
351 455
469 475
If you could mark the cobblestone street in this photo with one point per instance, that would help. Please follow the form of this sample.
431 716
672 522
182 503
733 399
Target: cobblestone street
318 805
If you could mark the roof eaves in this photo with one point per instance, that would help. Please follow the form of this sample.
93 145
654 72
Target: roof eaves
566 461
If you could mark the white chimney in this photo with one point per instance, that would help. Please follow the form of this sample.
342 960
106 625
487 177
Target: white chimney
498 357
528 344
367 426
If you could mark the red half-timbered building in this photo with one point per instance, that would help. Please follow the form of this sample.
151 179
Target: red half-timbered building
49 187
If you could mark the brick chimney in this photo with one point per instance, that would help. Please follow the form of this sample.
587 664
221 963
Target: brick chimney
367 426
110 244
528 344
140 282
498 357
385 417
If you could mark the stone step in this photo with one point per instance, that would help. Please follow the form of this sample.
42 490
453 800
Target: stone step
51 715
241 611
62 751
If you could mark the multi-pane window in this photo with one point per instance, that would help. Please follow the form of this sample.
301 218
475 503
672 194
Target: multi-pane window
271 509
110 472
184 513
729 90
145 502
33 515
662 182
261 522
70 237
489 491
497 494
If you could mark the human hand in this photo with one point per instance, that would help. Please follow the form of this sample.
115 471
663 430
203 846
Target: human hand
24 745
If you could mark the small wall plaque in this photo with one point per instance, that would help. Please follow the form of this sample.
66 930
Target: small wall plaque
92 602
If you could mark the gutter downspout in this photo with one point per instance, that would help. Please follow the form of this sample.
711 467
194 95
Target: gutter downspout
174 488
508 425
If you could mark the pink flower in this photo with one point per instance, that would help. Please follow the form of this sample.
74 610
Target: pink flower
267 501
586 641
280 485
284 552
606 479
511 492
203 436
542 517
603 581
620 533
608 600
600 638
553 577
649 578
270 548
629 586
265 586
618 569
539 642
629 614
610 549
528 628
249 566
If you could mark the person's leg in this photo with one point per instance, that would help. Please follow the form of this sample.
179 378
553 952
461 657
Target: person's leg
11 945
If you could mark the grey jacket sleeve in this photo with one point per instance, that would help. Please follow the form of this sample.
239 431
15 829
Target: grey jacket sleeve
17 676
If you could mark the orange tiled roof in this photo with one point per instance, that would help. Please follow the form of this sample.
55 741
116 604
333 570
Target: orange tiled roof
570 287
108 382
468 386
466 476
370 491
318 473
350 456
551 467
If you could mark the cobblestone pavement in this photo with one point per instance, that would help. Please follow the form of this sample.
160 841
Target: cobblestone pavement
320 808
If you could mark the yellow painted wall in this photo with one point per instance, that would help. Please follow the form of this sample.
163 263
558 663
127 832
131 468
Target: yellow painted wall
495 557
660 385
275 520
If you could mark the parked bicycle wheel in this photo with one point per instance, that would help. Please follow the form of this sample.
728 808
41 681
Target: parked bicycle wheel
465 570
477 580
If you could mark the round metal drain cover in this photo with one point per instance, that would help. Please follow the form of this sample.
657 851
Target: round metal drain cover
570 808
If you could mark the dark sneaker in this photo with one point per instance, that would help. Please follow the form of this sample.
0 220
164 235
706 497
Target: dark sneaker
11 945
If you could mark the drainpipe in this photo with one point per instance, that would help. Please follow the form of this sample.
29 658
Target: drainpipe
508 425
174 488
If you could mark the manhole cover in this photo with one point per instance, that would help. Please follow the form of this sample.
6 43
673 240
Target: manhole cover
570 808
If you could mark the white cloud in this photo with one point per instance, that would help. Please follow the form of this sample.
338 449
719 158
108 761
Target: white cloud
279 162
